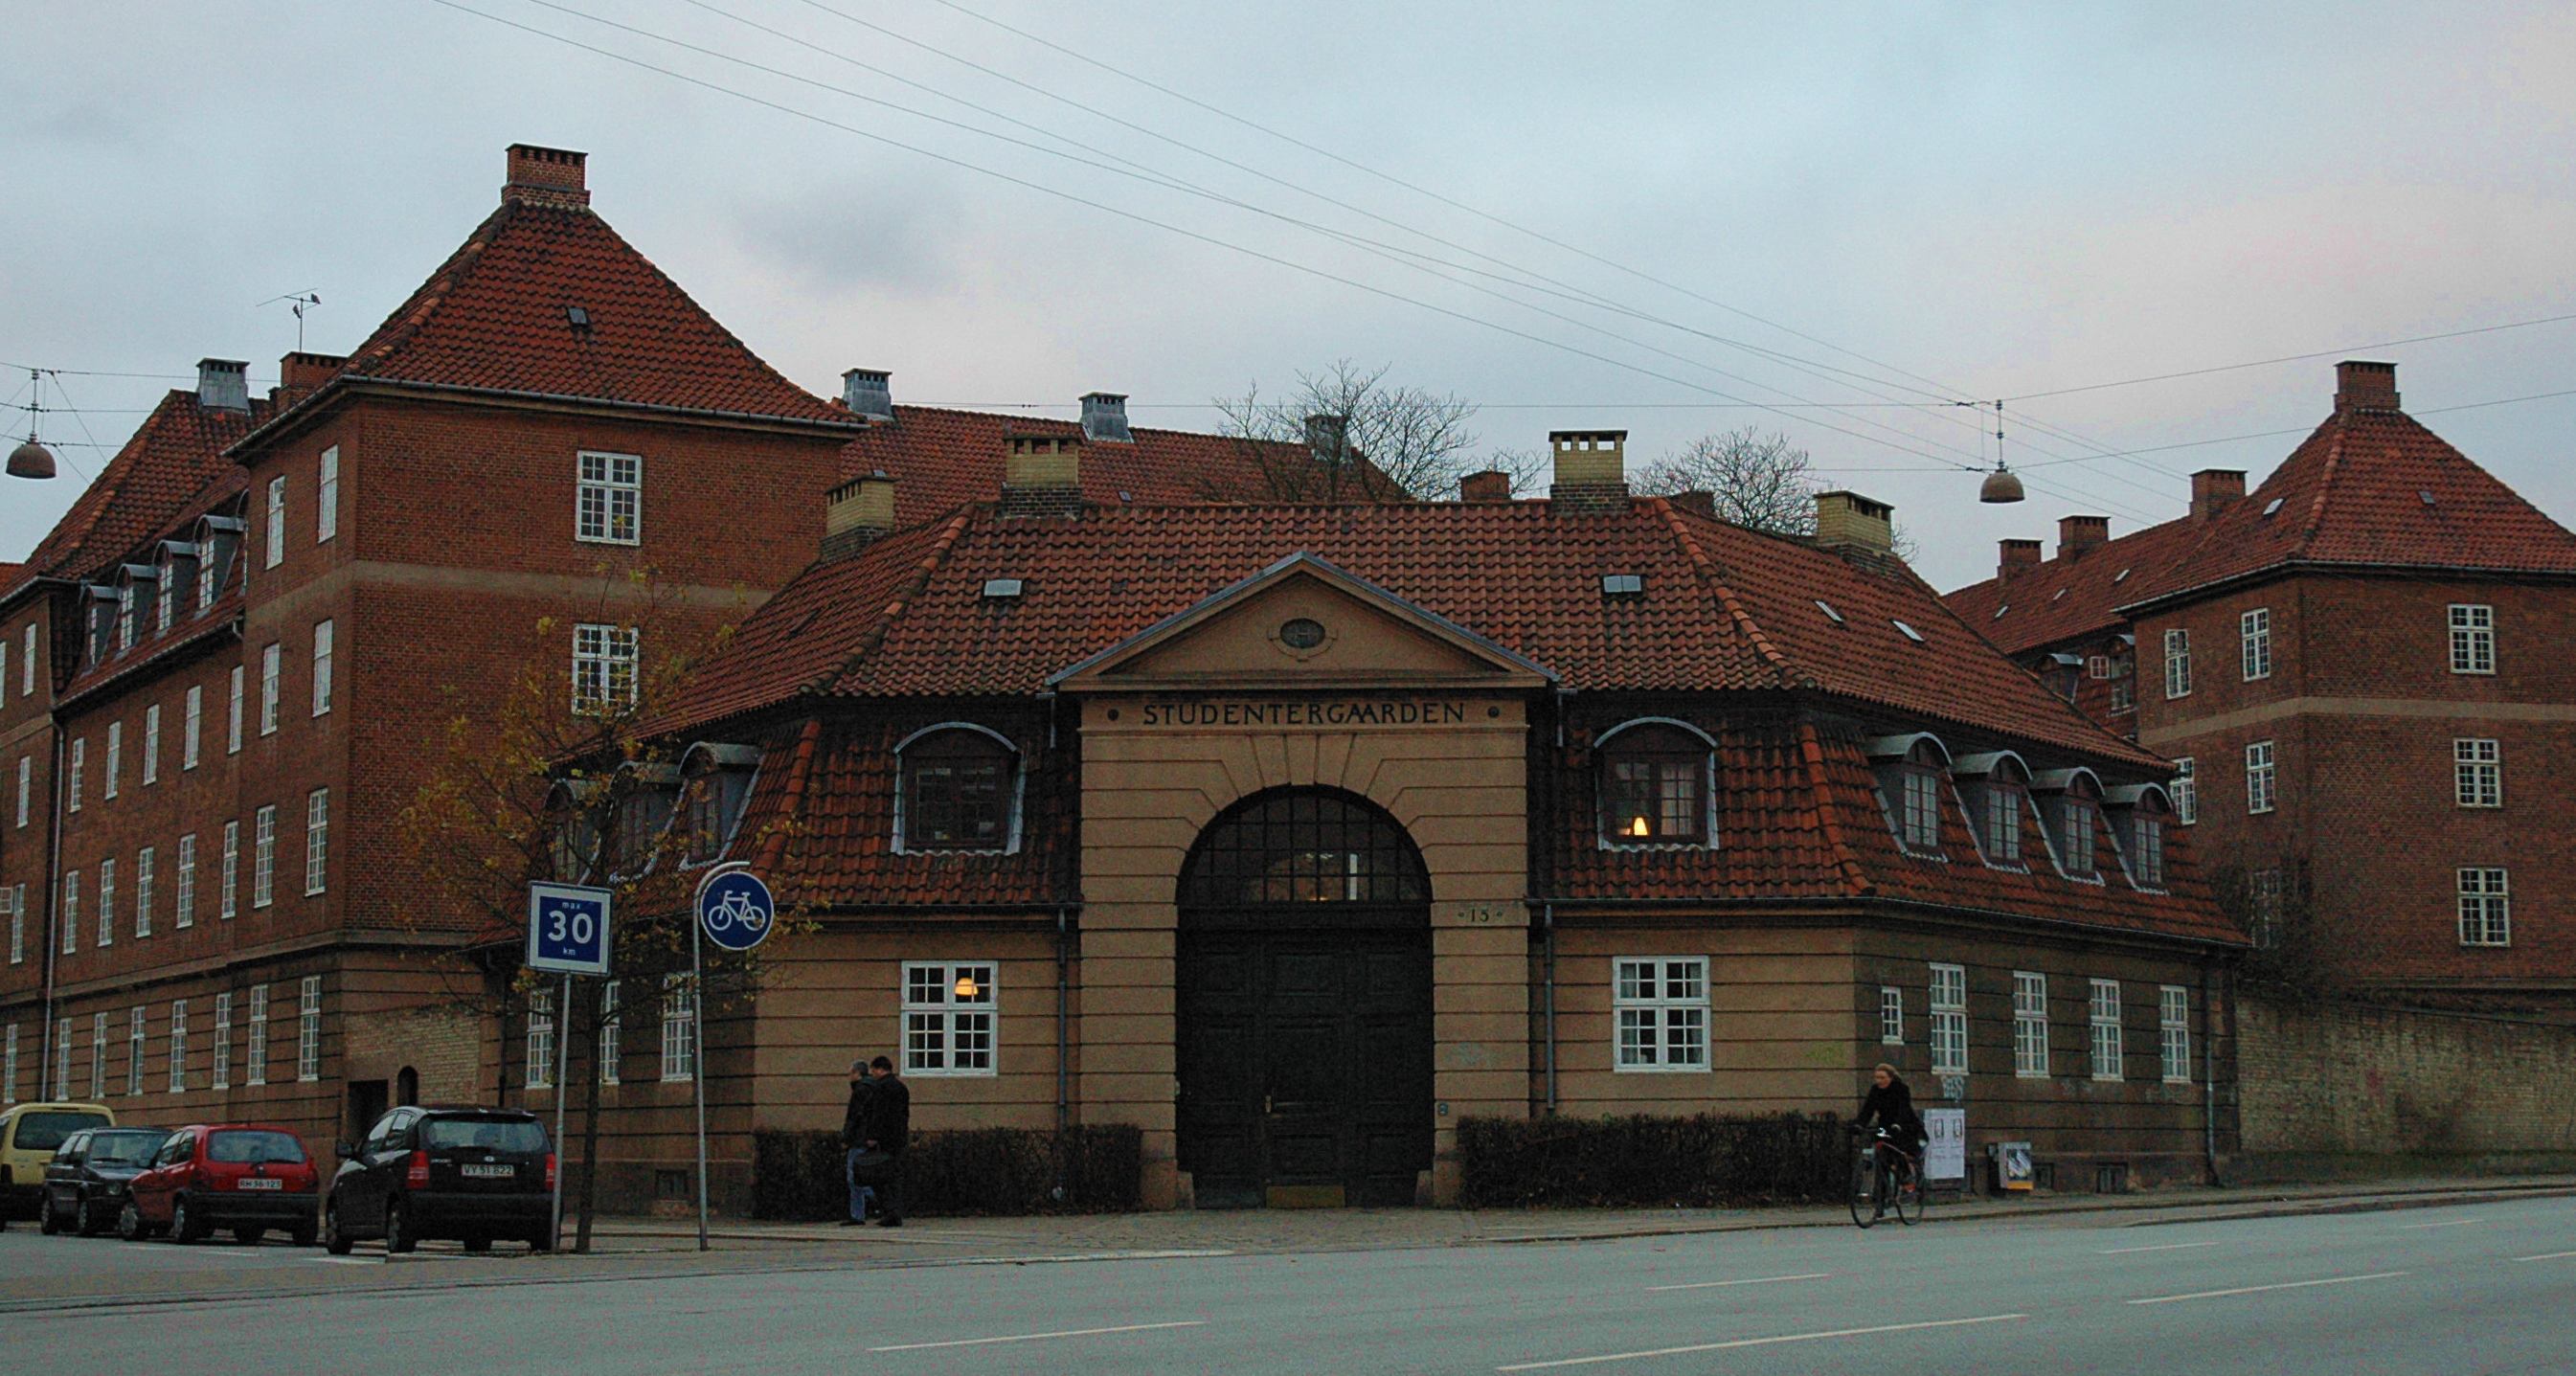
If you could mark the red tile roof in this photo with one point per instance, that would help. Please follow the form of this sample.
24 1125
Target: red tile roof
2065 599
156 479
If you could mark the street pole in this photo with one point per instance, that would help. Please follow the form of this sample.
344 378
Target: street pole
698 1062
563 1067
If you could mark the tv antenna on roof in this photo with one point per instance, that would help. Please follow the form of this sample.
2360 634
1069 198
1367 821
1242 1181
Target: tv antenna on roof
302 301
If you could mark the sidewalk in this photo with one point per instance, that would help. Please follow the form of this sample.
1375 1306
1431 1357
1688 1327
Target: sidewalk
1231 1232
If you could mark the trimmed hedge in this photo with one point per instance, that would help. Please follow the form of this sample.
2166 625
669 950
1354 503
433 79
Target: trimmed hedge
1700 1161
799 1175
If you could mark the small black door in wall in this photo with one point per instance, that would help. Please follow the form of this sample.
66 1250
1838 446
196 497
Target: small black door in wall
1304 1006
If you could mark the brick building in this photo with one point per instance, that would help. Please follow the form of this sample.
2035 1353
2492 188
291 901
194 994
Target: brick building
2362 668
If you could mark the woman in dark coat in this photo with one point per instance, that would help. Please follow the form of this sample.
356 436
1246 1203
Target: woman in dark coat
1891 1105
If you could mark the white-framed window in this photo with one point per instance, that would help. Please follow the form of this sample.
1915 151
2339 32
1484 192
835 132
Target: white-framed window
124 617
1949 1020
228 892
2254 641
146 861
611 1041
17 897
2173 1032
2177 664
679 1021
308 1030
263 856
192 727
2267 892
98 1055
603 666
2003 820
152 744
317 840
79 772
1919 808
2106 1029
183 909
610 509
322 667
2030 1024
164 593
2258 777
223 1075
2124 693
2473 645
178 1046
1660 1006
2075 828
255 1039
71 911
268 689
541 1039
115 757
2147 848
107 902
276 533
9 1070
233 717
2486 907
951 1018
1891 1015
2097 666
26 786
138 1034
210 558
2186 791
326 495
27 663
62 1081
2477 772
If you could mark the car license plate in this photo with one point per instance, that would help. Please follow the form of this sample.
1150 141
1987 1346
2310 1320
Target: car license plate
260 1182
482 1172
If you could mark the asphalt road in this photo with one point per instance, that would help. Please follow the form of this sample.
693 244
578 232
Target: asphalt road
2485 1288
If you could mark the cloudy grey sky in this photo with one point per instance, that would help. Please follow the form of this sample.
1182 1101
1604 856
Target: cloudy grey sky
1974 201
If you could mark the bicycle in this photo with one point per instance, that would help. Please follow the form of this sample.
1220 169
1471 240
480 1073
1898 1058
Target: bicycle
1885 1178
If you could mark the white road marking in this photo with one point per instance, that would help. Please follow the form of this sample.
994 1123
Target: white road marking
2159 1247
2446 1223
1034 1337
2259 1289
1761 1342
2548 1256
225 1252
1722 1284
347 1261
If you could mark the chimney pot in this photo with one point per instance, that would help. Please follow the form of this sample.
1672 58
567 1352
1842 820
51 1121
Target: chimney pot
1041 474
2016 556
302 372
2076 534
869 393
1591 470
856 513
2361 386
223 384
546 176
2213 489
1104 418
1850 521
1492 485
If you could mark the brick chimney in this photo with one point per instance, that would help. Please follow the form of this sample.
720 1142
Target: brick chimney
1850 521
223 384
2363 386
1698 499
1492 485
856 513
2076 534
869 393
1042 475
302 372
2212 489
1591 470
2015 556
546 176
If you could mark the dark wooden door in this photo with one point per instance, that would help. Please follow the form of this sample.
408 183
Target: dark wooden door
1305 1065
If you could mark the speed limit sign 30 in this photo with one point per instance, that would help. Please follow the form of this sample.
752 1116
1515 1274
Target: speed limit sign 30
568 929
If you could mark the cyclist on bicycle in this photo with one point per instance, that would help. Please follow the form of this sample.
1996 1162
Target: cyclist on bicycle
1890 1105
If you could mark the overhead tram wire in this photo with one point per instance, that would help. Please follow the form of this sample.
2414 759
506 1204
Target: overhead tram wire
2344 352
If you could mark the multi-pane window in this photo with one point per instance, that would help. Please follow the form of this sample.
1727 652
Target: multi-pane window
317 839
9 1060
2075 829
322 667
79 770
17 900
2486 911
949 1016
62 1081
276 533
125 617
183 908
145 862
2106 1029
106 902
2147 847
541 1038
178 1046
1918 817
2477 770
2030 1024
137 1035
2124 692
308 1030
1949 1020
26 786
610 509
255 1038
210 557
679 1026
2173 1032
2177 663
268 688
2265 893
1661 1007
603 666
223 1075
958 788
611 1027
71 911
2258 777
152 744
98 1055
2186 791
228 891
263 856
2003 821
115 757
192 727
2472 638
1891 1015
27 662
164 587
2254 639
233 715
1654 787
326 496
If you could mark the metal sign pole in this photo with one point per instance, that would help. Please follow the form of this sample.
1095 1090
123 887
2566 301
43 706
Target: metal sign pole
563 1067
698 1062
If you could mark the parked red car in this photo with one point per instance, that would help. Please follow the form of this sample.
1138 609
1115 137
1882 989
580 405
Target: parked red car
243 1176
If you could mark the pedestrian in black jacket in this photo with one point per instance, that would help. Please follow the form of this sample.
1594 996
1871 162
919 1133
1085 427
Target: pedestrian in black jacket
889 1130
1891 1105
854 1143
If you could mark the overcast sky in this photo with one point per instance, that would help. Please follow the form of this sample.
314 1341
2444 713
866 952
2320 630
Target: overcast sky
1980 201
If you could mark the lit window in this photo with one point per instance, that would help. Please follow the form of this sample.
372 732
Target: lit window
610 509
2173 1027
322 668
276 533
541 1039
317 839
1891 1015
2472 638
2177 664
2254 639
959 789
679 1020
1949 1020
308 1030
263 856
603 667
326 496
1661 1005
1654 787
2486 912
2106 1029
2186 791
2258 777
2030 1024
2477 768
950 1018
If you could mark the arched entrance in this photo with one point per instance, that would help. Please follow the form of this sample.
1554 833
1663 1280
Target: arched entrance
1304 1002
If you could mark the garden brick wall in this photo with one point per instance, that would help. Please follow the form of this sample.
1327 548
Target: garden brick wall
2345 1089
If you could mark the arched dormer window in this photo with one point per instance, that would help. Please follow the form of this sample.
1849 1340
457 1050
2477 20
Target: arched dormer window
957 789
573 808
218 537
1657 785
177 559
645 795
2071 800
715 781
1909 770
1998 789
133 603
102 622
2142 812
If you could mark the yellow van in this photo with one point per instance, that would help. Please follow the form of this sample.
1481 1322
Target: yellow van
28 1135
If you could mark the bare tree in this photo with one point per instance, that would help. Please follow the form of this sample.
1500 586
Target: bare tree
1345 434
1758 481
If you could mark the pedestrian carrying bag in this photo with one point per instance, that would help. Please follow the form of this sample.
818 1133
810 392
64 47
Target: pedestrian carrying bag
868 1167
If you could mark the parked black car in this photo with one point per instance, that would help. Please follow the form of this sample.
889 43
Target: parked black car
473 1174
85 1182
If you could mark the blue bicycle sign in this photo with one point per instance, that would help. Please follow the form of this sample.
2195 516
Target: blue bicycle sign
735 909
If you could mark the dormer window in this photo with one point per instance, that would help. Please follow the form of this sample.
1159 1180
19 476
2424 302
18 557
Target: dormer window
2075 801
178 580
957 789
1998 788
1656 785
717 779
1909 785
102 622
125 616
218 538
643 814
2141 812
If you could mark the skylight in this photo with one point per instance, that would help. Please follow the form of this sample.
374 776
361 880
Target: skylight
1999 611
1828 609
1622 584
2426 493
2061 592
2121 576
579 317
1909 632
1002 588
2271 506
